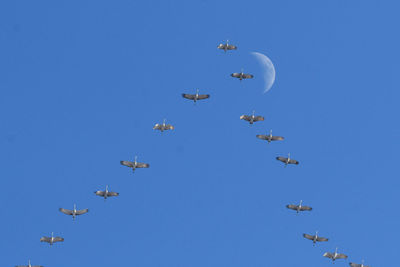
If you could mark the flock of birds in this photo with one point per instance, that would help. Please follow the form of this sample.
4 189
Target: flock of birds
164 127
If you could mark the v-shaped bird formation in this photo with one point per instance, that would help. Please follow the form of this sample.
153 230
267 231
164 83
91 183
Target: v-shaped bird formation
251 119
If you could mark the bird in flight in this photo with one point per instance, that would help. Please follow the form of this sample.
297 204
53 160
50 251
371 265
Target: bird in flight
241 75
299 207
251 118
315 238
287 160
269 137
29 265
195 97
134 164
51 239
352 264
73 212
334 256
163 127
227 46
106 193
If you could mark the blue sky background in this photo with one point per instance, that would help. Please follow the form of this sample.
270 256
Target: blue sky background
83 82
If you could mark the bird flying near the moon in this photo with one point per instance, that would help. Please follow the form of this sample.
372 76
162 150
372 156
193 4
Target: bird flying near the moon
268 68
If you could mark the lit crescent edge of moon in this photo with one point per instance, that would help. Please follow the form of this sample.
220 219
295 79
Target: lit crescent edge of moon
269 74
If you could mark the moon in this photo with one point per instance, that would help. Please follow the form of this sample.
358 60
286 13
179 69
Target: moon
269 70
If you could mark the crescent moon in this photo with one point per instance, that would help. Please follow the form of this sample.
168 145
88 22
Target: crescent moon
269 73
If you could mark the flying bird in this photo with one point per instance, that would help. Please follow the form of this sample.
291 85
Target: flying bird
241 75
195 97
299 207
269 137
287 160
73 212
334 256
227 46
315 238
51 239
134 164
106 193
251 118
163 127
29 265
358 265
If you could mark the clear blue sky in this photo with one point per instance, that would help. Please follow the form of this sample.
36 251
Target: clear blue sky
83 82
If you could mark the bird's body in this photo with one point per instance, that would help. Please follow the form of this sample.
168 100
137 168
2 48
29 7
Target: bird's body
134 164
251 118
106 193
51 239
269 137
287 160
299 207
334 256
352 264
315 238
163 127
29 265
73 212
241 75
195 97
226 46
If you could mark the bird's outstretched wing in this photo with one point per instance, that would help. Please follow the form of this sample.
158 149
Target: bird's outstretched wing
322 239
258 118
58 239
157 126
357 265
66 211
231 47
328 255
142 165
201 97
248 76
112 194
262 136
80 212
100 193
283 159
127 163
245 117
45 239
307 208
169 127
277 138
311 237
293 161
236 75
341 256
188 96
292 207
